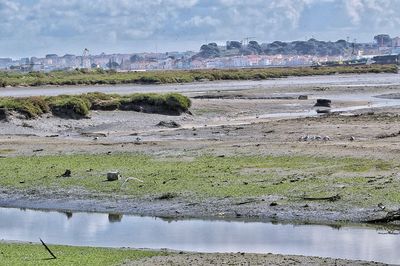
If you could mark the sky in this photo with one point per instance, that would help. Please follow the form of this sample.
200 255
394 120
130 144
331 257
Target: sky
39 27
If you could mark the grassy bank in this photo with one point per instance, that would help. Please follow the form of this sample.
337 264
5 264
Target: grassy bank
35 254
91 77
77 106
360 182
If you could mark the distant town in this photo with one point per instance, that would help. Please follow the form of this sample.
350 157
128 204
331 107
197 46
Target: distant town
234 54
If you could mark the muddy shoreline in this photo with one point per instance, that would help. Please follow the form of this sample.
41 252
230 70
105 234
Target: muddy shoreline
255 209
187 258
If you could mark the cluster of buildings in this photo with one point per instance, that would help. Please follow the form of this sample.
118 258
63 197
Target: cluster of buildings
153 61
119 62
185 60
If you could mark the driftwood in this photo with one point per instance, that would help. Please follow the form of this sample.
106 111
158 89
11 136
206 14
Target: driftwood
246 202
171 179
332 198
132 178
47 248
390 217
391 135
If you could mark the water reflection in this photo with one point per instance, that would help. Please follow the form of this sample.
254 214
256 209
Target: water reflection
114 217
116 230
68 214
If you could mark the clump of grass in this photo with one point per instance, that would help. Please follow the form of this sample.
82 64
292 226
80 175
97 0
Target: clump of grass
177 101
70 106
31 107
172 103
102 101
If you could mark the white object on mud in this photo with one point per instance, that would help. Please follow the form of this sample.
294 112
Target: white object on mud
131 178
113 176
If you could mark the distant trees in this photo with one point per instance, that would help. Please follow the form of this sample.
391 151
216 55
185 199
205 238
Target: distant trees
383 40
310 47
210 50
254 47
233 45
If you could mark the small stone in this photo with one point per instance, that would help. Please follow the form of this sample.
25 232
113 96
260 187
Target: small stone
113 176
67 173
326 138
169 124
303 97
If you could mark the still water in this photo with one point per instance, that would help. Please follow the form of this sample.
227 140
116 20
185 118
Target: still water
115 230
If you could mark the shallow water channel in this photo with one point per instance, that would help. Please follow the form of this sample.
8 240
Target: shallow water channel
116 230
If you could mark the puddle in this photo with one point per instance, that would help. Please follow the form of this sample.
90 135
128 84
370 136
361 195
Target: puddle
373 102
116 230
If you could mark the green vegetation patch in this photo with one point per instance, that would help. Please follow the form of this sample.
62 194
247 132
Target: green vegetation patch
31 107
78 106
360 182
36 254
99 76
69 106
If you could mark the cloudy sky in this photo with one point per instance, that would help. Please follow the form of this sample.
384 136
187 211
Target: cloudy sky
38 27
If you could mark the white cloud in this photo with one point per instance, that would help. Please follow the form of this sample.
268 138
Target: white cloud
374 14
199 21
29 24
354 9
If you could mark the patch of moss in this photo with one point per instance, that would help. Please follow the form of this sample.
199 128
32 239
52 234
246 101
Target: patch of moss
35 254
207 176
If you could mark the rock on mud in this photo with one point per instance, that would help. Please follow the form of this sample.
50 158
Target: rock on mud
113 176
4 114
303 97
67 173
169 124
323 103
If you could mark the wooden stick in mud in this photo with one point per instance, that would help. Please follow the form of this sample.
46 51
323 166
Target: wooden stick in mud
47 248
332 198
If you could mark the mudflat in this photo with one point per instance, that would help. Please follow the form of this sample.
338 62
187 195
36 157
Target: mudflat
251 149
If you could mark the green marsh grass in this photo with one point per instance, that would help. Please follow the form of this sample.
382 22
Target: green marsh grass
207 176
